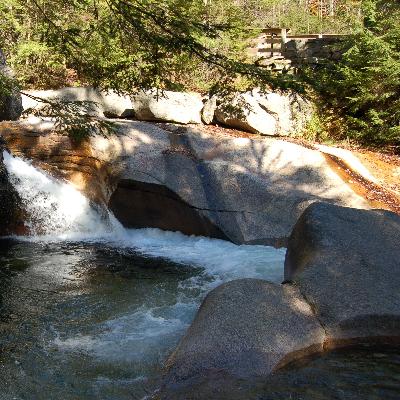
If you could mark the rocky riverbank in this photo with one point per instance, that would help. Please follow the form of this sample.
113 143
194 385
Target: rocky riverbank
242 189
341 289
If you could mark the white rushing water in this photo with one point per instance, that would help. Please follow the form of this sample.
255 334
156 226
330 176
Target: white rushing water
53 207
57 212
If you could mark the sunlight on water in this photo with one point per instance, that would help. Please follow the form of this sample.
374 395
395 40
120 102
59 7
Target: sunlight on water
59 212
148 329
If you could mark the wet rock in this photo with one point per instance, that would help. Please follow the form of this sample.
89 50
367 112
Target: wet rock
156 206
346 263
252 191
184 108
245 329
10 103
11 214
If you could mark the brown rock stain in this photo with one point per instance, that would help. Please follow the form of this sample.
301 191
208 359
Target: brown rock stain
62 158
377 196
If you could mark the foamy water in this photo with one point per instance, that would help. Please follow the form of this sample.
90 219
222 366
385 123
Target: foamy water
54 207
58 213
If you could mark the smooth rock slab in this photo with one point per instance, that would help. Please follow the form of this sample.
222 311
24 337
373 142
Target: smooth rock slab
252 191
184 108
346 263
109 104
244 329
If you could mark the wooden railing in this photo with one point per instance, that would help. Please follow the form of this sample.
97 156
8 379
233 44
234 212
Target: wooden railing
271 42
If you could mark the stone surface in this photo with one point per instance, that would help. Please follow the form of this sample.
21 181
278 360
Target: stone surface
314 50
208 112
346 263
245 329
158 207
11 215
253 191
341 288
10 104
184 108
272 113
109 104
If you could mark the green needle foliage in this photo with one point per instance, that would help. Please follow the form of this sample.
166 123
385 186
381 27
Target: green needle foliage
364 87
128 45
73 117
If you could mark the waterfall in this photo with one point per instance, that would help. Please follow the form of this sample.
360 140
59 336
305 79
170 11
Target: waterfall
132 313
56 211
55 207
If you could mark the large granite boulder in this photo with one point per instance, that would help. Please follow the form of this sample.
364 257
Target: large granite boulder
248 191
109 104
184 108
341 288
270 113
346 263
10 102
245 329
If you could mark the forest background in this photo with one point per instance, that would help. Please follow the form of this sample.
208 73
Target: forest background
199 45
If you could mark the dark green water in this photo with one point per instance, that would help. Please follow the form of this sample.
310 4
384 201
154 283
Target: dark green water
84 321
93 321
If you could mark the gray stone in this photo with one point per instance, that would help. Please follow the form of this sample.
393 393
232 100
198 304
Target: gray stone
246 114
184 108
250 191
10 103
271 113
108 104
244 329
208 112
346 263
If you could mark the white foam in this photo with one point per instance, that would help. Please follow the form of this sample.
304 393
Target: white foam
53 207
140 336
221 259
58 212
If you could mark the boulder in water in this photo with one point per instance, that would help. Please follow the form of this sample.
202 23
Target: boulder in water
341 288
346 263
244 330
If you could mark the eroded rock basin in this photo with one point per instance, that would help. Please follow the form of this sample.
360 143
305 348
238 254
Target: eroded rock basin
97 319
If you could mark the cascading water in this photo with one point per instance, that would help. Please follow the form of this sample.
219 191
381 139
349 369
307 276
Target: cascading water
54 207
90 311
113 302
57 211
